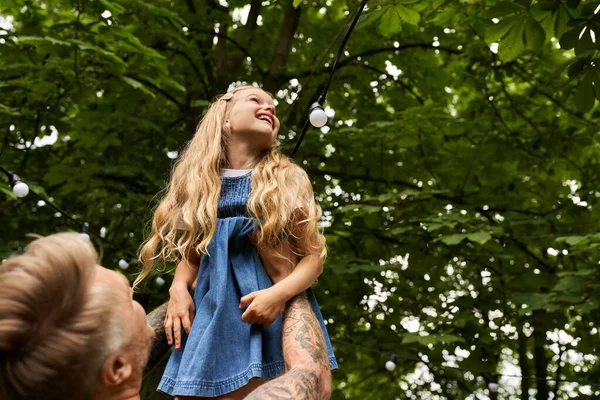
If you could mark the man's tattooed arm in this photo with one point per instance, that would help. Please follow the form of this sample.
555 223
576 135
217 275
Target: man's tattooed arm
307 374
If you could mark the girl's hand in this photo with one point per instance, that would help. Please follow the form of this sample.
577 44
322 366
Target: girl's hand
180 313
264 307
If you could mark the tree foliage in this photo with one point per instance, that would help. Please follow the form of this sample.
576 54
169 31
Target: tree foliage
458 172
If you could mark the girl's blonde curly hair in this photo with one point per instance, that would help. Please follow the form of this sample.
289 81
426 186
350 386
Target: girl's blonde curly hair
282 200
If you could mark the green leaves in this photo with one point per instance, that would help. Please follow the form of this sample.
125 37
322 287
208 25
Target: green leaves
533 301
497 31
137 85
512 44
585 94
344 267
505 8
407 14
444 176
569 39
390 24
581 243
480 237
394 15
433 339
200 103
453 239
37 40
534 34
9 110
516 31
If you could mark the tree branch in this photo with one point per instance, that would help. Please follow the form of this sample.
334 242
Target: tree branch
397 81
163 92
523 360
558 371
288 27
216 6
499 116
440 196
548 96
525 250
245 51
252 22
191 6
518 110
367 53
128 182
539 355
195 67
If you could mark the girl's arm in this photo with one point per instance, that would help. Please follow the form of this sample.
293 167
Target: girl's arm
186 272
302 277
181 309
267 303
308 268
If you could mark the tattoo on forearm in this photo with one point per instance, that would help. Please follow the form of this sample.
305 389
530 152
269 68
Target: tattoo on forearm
306 358
297 384
302 331
311 341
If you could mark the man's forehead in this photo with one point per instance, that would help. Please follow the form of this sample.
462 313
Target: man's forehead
105 275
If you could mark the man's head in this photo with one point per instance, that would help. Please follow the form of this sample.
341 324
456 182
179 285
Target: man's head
69 328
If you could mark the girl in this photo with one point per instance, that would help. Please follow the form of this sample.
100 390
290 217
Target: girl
231 192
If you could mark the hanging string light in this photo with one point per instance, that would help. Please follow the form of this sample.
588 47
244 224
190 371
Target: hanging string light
20 189
124 262
390 365
317 116
493 385
84 231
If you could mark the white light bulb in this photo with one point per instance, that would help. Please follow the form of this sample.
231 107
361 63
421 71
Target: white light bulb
20 189
390 365
85 235
123 264
493 386
318 117
160 281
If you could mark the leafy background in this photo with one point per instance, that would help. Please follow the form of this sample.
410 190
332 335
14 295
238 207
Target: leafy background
458 172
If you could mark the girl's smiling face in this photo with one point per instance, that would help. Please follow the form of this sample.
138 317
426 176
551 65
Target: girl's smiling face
252 115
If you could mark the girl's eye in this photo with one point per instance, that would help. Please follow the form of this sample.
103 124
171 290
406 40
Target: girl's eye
254 99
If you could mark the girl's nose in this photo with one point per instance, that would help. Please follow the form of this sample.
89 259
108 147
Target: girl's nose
270 108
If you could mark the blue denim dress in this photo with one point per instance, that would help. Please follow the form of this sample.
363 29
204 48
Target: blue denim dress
222 353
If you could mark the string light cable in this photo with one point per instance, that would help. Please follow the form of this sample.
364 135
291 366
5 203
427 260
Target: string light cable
317 117
316 114
21 190
304 84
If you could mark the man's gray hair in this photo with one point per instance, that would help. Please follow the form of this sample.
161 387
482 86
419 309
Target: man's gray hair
57 327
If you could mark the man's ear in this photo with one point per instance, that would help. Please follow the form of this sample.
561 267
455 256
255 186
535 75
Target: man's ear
115 370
